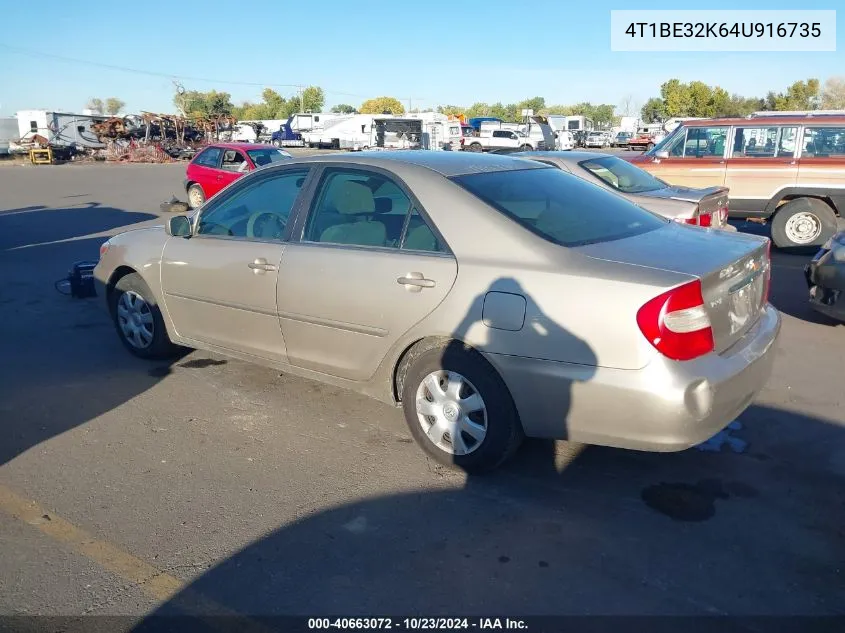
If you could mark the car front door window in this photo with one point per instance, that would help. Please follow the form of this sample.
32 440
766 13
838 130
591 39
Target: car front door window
705 142
209 158
259 210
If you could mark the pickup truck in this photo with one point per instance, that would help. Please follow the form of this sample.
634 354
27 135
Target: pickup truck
488 140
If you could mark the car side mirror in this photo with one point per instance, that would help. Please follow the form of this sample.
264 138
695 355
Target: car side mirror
178 226
661 154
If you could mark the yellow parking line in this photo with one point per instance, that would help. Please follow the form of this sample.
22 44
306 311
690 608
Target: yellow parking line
152 581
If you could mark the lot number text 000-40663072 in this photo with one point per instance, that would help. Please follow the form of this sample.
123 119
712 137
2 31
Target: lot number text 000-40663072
685 30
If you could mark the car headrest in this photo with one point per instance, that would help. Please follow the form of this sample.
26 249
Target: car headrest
354 197
383 205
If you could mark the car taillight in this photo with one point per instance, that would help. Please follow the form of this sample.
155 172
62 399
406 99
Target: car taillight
676 323
768 264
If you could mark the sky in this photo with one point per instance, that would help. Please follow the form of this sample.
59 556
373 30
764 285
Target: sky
424 53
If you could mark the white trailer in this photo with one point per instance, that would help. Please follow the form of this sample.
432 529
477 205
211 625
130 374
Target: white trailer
8 133
349 132
309 121
440 131
59 128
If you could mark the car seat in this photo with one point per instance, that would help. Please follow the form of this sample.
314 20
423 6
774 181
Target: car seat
353 199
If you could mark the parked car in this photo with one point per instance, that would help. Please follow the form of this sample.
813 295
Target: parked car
222 163
621 139
564 141
789 170
700 207
826 278
596 139
489 297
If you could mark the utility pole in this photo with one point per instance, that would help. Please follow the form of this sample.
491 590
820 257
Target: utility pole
301 101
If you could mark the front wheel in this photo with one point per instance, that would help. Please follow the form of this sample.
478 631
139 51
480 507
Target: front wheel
138 320
196 196
458 409
525 148
649 147
803 222
475 147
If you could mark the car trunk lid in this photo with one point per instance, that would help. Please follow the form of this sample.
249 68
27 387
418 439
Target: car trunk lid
733 269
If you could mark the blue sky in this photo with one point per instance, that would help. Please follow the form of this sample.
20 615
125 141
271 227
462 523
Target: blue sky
435 52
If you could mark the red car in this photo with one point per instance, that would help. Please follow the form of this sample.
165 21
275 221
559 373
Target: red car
222 163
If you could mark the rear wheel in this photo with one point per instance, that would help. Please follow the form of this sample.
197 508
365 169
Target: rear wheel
649 147
138 320
803 222
196 196
525 148
459 410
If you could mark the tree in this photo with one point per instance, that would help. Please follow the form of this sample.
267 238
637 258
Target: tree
654 110
802 95
676 98
95 105
343 108
114 105
451 110
202 104
381 105
627 105
311 100
833 94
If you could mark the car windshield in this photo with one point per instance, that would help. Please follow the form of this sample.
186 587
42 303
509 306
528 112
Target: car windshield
559 207
622 175
262 157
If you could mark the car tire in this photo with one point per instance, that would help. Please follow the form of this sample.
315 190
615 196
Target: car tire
138 320
196 196
479 382
649 147
475 147
526 148
803 222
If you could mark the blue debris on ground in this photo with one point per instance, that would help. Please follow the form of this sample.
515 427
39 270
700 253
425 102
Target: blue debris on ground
723 437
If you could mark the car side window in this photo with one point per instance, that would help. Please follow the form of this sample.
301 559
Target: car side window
209 158
705 141
419 236
233 160
824 142
259 210
357 207
763 142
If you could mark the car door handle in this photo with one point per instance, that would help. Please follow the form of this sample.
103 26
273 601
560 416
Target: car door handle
415 282
260 265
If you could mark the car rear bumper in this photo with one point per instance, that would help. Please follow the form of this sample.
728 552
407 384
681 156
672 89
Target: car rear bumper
666 406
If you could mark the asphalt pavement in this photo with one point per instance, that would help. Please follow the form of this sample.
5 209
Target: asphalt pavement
209 485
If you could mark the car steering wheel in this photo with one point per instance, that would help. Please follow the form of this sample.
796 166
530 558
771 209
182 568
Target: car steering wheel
264 224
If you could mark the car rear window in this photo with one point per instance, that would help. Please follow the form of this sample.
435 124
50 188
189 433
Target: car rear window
560 207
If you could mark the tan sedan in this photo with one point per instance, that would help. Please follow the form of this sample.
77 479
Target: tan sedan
490 297
700 207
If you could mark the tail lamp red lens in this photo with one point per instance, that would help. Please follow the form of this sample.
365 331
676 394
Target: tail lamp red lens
676 323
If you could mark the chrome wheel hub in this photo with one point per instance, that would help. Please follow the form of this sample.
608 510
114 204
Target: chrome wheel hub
195 197
803 228
451 412
135 319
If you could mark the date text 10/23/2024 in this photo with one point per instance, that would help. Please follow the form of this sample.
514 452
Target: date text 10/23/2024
722 31
417 624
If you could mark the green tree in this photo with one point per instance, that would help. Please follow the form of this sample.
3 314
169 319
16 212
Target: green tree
802 95
343 108
654 110
833 94
380 105
677 99
95 105
312 99
478 109
700 99
451 110
203 104
114 105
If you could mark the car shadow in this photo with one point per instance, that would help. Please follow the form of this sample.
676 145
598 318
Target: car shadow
613 533
63 364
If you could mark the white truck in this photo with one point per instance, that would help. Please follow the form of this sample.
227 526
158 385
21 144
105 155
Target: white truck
490 139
